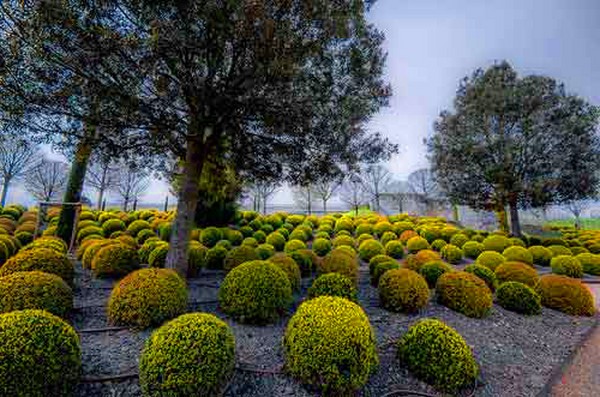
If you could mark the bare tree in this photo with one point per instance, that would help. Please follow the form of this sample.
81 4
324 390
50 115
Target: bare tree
131 183
576 207
376 179
261 191
352 192
101 176
17 156
325 189
47 180
304 197
399 192
422 183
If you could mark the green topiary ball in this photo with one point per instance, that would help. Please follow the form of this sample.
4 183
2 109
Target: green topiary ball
147 297
41 259
416 244
146 249
369 248
516 271
235 237
341 240
432 271
333 284
255 292
566 265
294 245
329 344
215 257
518 297
438 244
382 268
452 254
113 225
210 236
196 258
590 263
115 260
484 273
44 355
459 239
277 240
566 294
541 255
472 249
518 254
403 290
559 250
321 246
340 261
464 293
395 249
438 354
49 242
35 290
289 266
92 249
89 231
192 355
265 251
496 243
158 256
136 227
377 259
239 255
490 259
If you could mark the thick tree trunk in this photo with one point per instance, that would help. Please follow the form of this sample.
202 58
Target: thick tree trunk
4 191
74 188
186 205
502 218
515 226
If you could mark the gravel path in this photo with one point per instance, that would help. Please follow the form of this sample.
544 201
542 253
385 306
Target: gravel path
517 354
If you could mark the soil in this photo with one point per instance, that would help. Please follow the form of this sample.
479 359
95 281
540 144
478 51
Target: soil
517 354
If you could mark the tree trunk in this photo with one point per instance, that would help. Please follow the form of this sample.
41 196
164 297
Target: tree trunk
4 191
515 226
455 212
186 204
74 188
125 204
500 213
264 200
324 206
100 197
309 202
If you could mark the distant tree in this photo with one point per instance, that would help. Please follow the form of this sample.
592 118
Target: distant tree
423 185
352 192
376 179
261 191
516 142
17 155
576 207
304 197
326 188
131 183
46 180
399 192
101 176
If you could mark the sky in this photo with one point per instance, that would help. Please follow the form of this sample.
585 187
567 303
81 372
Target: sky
432 44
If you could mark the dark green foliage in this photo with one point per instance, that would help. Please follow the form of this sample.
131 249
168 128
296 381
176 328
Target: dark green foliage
333 284
215 257
484 273
518 297
431 271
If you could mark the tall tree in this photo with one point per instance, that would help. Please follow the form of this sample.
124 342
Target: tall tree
17 156
516 142
101 176
423 185
376 179
131 183
46 180
352 192
262 190
304 197
325 188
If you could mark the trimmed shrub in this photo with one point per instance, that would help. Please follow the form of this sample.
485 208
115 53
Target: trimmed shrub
329 344
215 257
387 237
239 255
164 231
567 265
260 236
146 249
436 353
41 355
89 231
432 271
196 258
158 256
369 249
403 290
277 240
547 242
465 293
452 254
265 251
380 269
35 290
321 246
26 238
49 242
516 271
484 273
342 262
235 237
115 260
10 245
566 294
343 240
113 225
541 255
416 244
578 250
559 250
518 297
136 227
250 241
490 259
291 269
227 244
333 284
590 263
496 243
363 237
472 249
518 254
41 259
407 235
294 245
377 259
255 292
167 360
147 297
91 251
438 244
210 236
459 239
415 261
395 249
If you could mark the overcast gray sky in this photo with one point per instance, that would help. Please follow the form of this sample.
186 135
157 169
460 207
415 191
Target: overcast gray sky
432 44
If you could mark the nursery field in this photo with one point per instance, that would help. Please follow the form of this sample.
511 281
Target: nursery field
288 305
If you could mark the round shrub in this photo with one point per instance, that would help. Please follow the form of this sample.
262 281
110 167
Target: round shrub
516 271
115 260
452 254
472 249
416 244
196 258
250 241
578 250
438 244
554 241
363 237
227 244
215 257
381 227
44 352
89 231
277 240
329 344
210 236
147 297
343 240
144 235
541 255
35 290
4 254
291 269
235 237
10 245
382 268
496 243
167 360
566 294
363 228
24 237
303 260
265 251
342 262
136 227
484 273
567 265
294 245
369 249
158 256
395 249
559 250
415 261
403 290
260 236
146 249
321 246
255 292
432 271
91 251
239 255
464 293
459 239
113 225
490 259
407 235
518 297
436 353
41 259
516 253
387 237
590 263
377 259
333 284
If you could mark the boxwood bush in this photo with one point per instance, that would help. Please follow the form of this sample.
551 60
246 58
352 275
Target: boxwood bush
277 240
431 271
518 297
380 269
215 257
516 253
484 273
369 248
415 261
403 290
321 246
496 243
541 255
464 293
333 284
590 263
566 265
395 249
516 271
289 266
452 254
472 249
340 261
239 255
41 259
566 294
490 259
416 244
115 260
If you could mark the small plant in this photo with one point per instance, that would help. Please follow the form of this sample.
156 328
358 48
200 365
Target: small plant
590 263
452 254
395 249
490 259
416 244
541 255
369 248
115 260
472 249
289 266
239 255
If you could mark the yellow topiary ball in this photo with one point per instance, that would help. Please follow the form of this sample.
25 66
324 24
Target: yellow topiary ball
566 294
403 290
516 271
465 293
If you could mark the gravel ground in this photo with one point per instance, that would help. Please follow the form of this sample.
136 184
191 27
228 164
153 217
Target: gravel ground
516 353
